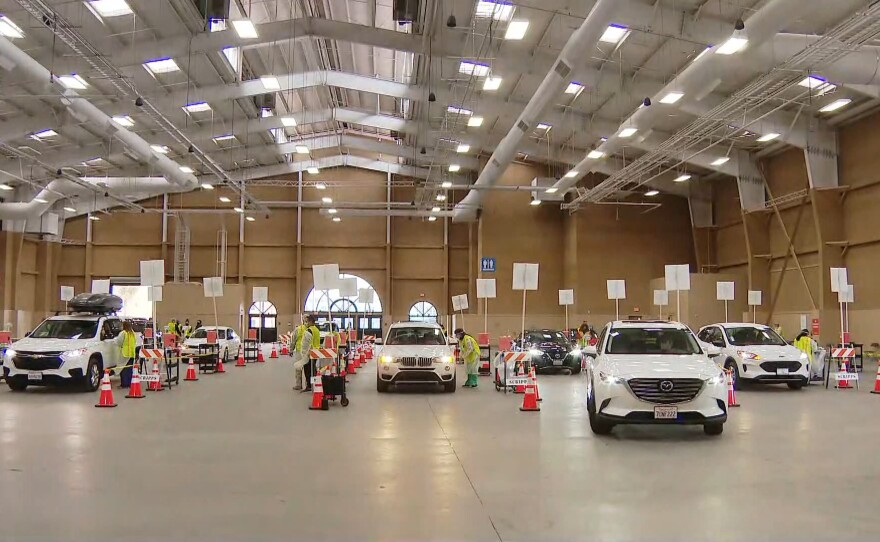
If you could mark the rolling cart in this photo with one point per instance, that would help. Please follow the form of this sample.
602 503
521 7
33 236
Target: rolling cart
172 367
334 388
207 358
251 350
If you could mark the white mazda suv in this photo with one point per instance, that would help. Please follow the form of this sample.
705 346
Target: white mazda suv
415 353
648 372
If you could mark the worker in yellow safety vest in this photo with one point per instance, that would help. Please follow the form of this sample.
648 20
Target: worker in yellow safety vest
584 335
127 341
300 355
470 352
804 343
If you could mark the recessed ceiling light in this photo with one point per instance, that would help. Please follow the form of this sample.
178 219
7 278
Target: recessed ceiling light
475 121
453 168
552 190
9 29
768 137
224 137
44 134
270 82
652 193
41 200
543 126
682 178
459 110
110 8
492 83
615 33
161 149
516 30
535 202
835 105
321 186
73 81
332 211
671 97
435 209
337 219
817 83
432 219
123 120
732 46
161 65
238 209
327 199
245 29
250 219
187 169
571 174
70 209
198 107
208 186
463 148
288 122
446 184
595 155
628 132
500 10
468 67
94 217
224 199
313 170
441 197
6 187
721 161
301 149
574 88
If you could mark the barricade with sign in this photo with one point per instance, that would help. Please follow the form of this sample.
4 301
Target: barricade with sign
326 360
846 356
507 365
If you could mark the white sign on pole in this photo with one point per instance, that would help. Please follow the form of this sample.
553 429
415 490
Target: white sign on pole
846 294
839 280
348 287
566 297
100 286
326 276
803 321
460 302
661 298
616 289
755 298
154 294
365 296
213 286
678 278
66 293
261 294
724 291
525 276
486 289
152 272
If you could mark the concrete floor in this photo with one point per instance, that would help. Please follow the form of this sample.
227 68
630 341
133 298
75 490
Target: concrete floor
239 457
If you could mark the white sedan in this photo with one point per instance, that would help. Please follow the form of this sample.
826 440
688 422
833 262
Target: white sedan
226 337
654 373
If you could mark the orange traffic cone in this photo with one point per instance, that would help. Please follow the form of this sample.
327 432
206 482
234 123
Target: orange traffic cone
274 353
156 384
368 354
284 350
843 384
877 381
260 358
520 388
220 369
352 365
106 398
535 381
731 392
134 390
240 361
191 371
318 401
530 401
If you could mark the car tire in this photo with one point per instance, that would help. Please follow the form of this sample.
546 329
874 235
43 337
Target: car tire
796 385
449 387
575 370
713 429
732 366
226 355
16 383
91 381
382 387
598 426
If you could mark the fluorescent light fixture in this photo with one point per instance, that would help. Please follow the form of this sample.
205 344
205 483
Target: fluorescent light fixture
6 187
337 219
574 88
245 29
161 65
110 8
301 149
459 110
238 209
9 29
441 197
224 199
628 132
45 134
453 168
721 161
492 83
250 219
703 53
208 186
161 149
603 139
73 81
768 137
732 46
682 178
671 97
543 126
187 169
331 211
552 190
313 170
288 122
327 199
432 219
94 217
270 82
41 200
463 148
615 33
595 155
435 209
446 184
475 121
500 10
835 105
652 193
817 83
123 120
321 186
224 137
473 68
198 107
516 30
70 209
535 202
571 174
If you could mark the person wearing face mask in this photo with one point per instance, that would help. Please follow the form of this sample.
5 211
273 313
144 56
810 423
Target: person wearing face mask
470 353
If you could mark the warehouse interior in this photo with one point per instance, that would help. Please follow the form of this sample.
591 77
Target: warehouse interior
423 146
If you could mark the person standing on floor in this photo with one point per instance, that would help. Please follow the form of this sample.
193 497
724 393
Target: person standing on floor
470 353
296 342
127 341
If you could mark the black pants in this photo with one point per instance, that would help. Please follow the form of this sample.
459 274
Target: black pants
125 373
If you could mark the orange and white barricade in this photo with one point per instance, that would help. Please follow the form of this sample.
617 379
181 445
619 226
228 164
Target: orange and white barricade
844 354
506 375
154 379
325 359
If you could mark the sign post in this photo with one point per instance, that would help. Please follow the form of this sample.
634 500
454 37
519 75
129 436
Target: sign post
525 278
566 298
66 295
260 295
661 299
725 291
678 278
365 298
616 291
213 287
326 278
348 288
755 302
839 285
460 304
153 275
485 291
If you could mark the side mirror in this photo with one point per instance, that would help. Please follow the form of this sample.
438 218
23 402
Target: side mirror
718 344
27 333
590 350
714 351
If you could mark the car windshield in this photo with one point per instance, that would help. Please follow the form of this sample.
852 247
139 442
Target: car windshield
200 333
415 336
753 336
542 337
645 340
324 326
66 329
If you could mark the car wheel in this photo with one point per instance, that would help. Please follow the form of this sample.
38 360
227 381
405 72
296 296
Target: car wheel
92 379
598 426
575 370
16 383
796 385
449 387
732 366
381 386
226 356
713 429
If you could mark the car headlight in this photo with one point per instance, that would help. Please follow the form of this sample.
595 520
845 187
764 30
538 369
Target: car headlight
610 379
576 352
74 353
386 359
804 356
536 352
10 353
717 379
446 359
745 354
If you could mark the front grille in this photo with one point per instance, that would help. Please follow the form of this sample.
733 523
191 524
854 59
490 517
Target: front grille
415 362
771 366
418 376
37 361
650 389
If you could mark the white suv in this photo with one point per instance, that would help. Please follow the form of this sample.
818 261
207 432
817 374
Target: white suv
654 373
756 353
415 353
227 340
65 349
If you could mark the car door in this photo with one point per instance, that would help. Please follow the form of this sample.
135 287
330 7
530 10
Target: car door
110 351
232 341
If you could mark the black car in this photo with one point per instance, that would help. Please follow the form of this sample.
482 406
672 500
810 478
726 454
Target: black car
551 350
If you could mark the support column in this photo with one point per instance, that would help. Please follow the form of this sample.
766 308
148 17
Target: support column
756 223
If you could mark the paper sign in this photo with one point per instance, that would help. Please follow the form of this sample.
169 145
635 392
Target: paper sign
348 287
261 294
66 293
152 272
525 276
149 378
849 377
661 297
678 278
486 289
518 381
460 302
846 294
839 279
755 298
326 276
724 291
566 297
154 294
365 296
213 286
100 286
616 289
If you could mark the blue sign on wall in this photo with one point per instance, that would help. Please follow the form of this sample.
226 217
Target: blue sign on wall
487 265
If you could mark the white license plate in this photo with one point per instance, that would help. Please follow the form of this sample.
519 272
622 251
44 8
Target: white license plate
665 413
35 377
557 362
782 372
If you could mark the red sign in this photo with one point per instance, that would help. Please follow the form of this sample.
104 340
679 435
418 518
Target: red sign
815 326
5 337
148 333
212 336
169 339
252 334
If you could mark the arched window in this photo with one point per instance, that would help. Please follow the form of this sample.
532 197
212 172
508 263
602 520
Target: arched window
263 316
317 301
423 311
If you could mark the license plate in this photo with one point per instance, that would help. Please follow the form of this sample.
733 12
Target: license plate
782 372
35 377
557 362
665 413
